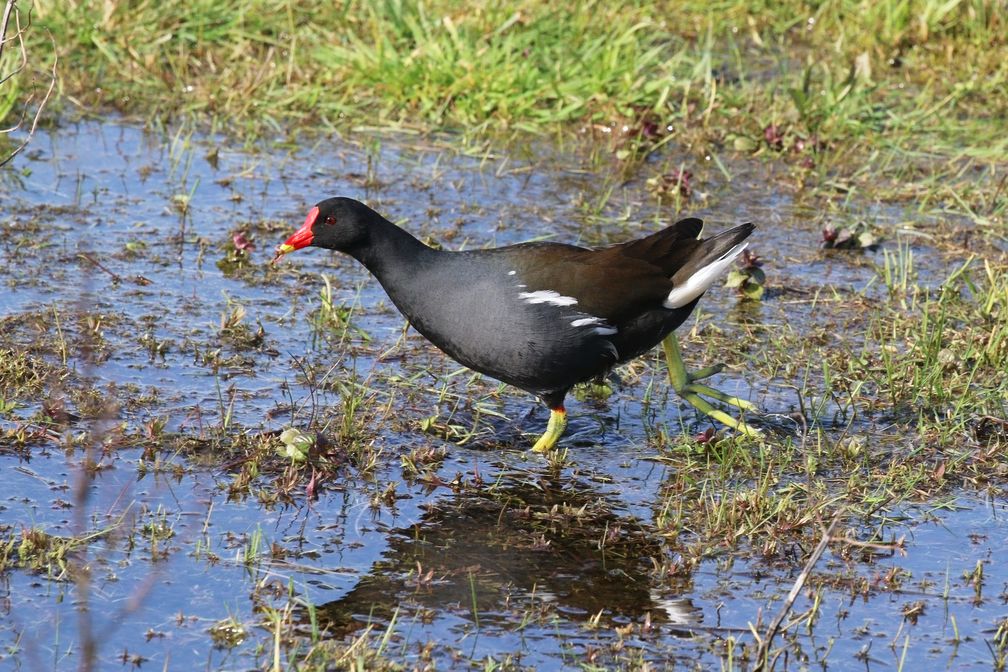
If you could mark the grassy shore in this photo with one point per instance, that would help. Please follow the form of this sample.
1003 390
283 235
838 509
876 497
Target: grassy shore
866 85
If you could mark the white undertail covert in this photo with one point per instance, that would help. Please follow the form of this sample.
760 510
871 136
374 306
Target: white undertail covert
699 282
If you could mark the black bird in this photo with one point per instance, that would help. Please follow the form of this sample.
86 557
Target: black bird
541 316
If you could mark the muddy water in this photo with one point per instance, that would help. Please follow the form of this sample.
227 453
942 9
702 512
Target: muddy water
117 257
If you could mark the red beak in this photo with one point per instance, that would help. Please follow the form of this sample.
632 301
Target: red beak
301 238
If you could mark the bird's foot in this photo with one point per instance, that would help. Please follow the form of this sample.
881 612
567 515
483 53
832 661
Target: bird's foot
554 429
686 385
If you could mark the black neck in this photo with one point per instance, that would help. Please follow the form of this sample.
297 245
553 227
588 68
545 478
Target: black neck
391 253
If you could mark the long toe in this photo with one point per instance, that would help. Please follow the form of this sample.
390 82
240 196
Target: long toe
714 393
707 409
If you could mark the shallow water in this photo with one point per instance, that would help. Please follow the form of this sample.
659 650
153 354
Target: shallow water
553 569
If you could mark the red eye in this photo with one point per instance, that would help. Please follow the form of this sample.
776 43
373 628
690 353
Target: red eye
330 221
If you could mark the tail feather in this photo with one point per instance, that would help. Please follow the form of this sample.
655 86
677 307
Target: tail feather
669 248
705 264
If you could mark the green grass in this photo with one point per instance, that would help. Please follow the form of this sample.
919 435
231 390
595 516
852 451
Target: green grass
862 77
898 100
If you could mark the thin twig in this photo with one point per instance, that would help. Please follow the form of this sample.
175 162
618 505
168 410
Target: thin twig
116 278
764 645
312 388
4 23
897 546
11 11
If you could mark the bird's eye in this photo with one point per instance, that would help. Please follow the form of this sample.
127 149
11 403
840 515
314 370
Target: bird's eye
330 220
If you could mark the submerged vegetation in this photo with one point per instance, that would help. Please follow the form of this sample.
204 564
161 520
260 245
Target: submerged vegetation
869 322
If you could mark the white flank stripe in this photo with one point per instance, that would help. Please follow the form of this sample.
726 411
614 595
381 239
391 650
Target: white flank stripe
512 272
547 296
698 283
603 328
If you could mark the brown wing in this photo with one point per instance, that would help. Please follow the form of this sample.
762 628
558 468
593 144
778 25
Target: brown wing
617 282
605 283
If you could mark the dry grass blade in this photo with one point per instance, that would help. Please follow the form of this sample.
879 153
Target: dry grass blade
763 651
12 12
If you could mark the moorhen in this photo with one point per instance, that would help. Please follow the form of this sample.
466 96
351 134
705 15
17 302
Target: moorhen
541 316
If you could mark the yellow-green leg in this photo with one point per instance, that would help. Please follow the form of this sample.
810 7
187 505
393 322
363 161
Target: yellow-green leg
685 384
554 429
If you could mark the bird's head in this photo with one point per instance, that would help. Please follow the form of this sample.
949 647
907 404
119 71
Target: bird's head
336 224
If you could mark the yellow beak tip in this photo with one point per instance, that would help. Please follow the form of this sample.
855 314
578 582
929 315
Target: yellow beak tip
281 250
